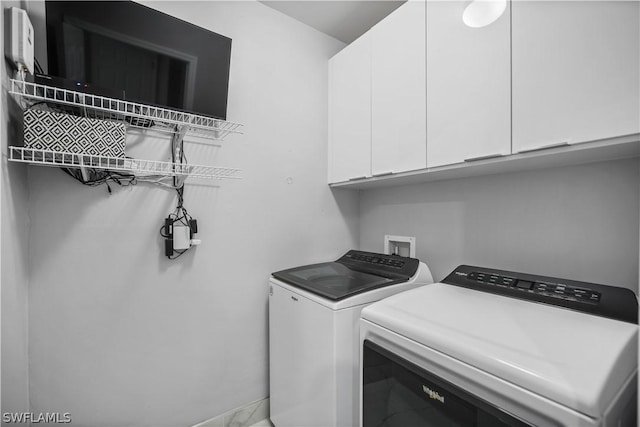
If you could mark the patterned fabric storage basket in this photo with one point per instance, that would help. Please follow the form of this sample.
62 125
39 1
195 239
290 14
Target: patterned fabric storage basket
47 130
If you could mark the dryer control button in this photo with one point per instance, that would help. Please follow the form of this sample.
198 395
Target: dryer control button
524 284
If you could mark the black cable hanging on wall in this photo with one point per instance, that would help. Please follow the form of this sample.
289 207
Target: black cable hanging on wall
179 227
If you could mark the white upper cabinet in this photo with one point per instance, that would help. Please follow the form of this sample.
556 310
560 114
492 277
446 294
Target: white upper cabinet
575 71
398 93
468 86
350 112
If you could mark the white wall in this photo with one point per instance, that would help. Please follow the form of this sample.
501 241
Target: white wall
121 336
14 275
14 225
578 222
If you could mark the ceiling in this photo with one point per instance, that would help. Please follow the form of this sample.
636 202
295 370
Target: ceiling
343 20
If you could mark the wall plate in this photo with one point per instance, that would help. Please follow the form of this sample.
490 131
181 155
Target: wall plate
400 245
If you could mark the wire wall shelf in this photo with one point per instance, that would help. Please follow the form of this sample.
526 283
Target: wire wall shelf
131 113
139 167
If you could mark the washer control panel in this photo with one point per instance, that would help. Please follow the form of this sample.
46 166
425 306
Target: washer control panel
601 300
380 264
386 260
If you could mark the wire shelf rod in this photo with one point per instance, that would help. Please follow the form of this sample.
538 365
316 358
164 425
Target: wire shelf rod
123 110
137 166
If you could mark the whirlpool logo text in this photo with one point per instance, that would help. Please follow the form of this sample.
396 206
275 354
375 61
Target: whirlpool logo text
433 394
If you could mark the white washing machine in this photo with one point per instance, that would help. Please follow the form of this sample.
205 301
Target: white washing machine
489 348
313 333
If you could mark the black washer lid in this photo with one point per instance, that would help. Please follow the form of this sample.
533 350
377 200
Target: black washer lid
353 273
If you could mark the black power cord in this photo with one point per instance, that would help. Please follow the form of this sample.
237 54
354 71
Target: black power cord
94 177
182 218
180 215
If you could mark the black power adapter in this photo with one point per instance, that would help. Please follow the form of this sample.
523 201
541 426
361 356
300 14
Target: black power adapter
167 232
168 240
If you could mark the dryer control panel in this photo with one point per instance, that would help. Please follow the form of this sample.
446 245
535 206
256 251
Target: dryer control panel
559 290
600 300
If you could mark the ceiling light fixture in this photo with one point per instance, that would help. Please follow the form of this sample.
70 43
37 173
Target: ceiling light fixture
480 13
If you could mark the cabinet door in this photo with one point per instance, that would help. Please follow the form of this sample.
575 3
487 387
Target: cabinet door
575 71
398 98
468 86
350 111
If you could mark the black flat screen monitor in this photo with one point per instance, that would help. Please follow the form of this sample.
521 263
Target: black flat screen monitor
146 55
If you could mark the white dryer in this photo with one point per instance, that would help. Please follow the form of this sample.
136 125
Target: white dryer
313 333
489 348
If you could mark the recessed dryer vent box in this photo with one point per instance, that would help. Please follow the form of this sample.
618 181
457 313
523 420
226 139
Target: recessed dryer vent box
400 245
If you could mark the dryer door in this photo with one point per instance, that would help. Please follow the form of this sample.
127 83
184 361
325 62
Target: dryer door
397 393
